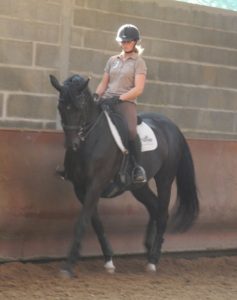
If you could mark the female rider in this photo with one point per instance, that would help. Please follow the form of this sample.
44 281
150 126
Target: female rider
124 80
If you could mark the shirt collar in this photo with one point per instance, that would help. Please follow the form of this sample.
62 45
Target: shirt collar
133 55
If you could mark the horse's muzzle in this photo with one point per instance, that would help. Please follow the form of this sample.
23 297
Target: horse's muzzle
72 143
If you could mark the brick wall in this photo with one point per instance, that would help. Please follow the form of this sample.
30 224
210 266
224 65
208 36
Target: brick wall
191 53
29 36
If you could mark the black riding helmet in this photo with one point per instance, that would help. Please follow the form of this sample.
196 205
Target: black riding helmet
128 32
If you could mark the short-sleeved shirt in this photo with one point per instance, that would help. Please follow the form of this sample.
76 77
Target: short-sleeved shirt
122 73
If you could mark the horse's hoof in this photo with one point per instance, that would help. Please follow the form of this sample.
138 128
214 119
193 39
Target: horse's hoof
151 268
109 267
67 274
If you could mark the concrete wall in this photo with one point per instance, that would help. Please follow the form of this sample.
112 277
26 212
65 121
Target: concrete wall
38 211
191 53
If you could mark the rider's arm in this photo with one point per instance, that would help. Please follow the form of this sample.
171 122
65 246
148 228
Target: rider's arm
101 88
137 90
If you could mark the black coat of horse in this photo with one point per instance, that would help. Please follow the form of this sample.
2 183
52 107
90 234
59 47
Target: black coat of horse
92 159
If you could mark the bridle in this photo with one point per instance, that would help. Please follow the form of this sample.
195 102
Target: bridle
79 100
85 128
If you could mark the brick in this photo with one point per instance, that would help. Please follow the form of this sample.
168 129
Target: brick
235 124
24 124
94 83
16 52
28 30
77 37
55 1
1 104
213 135
32 107
196 119
209 120
97 39
94 39
81 3
94 19
47 56
83 60
183 118
50 125
28 124
23 79
32 10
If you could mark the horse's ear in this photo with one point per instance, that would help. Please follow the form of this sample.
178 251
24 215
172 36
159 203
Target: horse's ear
85 84
55 83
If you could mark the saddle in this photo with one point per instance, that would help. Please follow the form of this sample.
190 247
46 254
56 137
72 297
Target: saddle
147 137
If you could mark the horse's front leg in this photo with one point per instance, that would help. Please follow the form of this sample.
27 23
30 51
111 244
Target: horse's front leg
99 230
90 203
104 243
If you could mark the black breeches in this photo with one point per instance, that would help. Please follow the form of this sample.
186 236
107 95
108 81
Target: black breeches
129 112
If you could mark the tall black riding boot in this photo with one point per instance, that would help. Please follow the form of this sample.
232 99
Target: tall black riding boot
138 173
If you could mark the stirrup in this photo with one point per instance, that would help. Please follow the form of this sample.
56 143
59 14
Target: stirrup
139 175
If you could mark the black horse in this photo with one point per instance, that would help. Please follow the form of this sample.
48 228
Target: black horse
93 159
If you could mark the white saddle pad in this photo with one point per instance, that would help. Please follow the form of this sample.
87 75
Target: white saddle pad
146 134
147 137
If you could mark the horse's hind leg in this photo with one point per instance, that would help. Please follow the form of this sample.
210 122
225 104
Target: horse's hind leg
158 212
146 196
164 193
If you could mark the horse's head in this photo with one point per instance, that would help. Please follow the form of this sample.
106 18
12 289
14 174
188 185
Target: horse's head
72 107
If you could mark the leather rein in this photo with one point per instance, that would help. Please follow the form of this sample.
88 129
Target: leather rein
85 129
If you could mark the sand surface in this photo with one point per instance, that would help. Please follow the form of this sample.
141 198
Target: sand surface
177 278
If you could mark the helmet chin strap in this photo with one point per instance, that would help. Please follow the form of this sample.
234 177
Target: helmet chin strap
131 51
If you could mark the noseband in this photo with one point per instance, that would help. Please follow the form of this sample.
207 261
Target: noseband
71 127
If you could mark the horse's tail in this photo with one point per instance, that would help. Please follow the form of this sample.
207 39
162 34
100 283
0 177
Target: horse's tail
187 203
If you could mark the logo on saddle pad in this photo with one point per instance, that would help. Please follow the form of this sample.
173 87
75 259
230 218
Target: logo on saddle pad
147 137
146 134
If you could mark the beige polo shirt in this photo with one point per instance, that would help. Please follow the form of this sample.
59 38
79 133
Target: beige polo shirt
122 73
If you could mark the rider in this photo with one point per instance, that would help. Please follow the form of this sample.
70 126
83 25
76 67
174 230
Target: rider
124 80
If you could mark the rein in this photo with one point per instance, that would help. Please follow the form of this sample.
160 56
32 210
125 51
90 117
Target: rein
84 130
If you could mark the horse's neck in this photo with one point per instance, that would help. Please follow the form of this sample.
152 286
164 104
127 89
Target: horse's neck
93 111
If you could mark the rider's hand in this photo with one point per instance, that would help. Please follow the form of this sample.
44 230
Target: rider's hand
113 100
96 97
